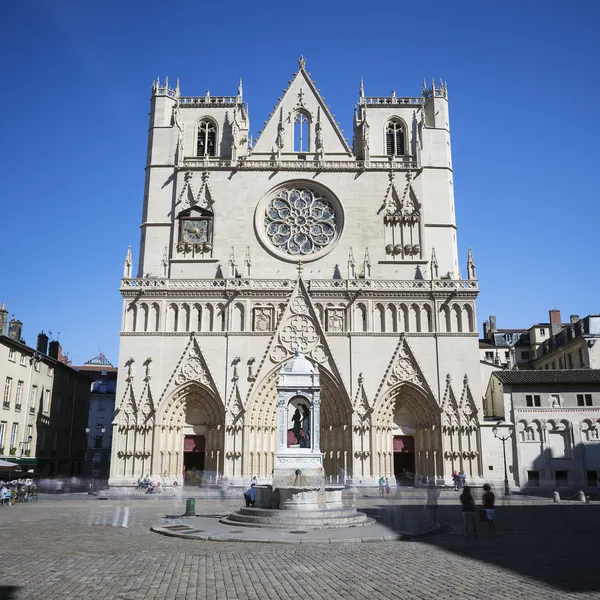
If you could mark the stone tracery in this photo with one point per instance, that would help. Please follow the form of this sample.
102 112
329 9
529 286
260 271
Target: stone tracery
300 222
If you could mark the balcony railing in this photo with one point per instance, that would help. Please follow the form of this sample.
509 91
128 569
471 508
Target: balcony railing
155 283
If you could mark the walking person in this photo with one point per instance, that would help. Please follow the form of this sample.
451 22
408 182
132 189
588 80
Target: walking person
432 502
468 510
488 501
387 488
381 483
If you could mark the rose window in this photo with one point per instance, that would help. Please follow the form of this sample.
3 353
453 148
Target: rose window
300 222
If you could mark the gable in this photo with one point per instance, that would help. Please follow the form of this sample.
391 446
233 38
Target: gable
299 327
303 96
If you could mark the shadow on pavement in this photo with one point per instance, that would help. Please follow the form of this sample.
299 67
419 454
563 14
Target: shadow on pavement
556 544
7 592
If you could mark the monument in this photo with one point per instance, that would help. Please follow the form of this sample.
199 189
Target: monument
299 495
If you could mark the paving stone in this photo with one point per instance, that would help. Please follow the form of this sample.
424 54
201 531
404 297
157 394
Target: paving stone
53 550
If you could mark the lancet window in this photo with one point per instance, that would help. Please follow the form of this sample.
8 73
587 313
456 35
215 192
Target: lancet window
207 138
301 132
395 138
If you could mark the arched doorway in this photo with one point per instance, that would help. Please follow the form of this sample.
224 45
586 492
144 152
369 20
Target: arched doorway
190 435
406 435
260 436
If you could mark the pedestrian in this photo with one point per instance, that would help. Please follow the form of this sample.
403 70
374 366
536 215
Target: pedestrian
488 504
387 488
468 510
459 481
455 480
381 483
224 487
432 502
250 495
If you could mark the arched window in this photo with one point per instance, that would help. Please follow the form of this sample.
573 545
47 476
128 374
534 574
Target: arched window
360 316
301 132
395 138
207 138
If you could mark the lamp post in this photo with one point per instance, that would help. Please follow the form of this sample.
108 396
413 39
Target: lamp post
503 440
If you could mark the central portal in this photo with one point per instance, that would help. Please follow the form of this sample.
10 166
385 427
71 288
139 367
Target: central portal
404 459
193 458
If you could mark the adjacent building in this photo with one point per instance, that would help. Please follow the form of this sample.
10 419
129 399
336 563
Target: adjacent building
554 418
44 404
101 414
552 345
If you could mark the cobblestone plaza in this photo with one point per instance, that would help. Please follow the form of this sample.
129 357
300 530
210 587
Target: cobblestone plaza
67 547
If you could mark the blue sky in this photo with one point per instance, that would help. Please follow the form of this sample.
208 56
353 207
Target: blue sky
523 87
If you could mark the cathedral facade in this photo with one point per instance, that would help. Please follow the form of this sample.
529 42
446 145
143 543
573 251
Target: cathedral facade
299 241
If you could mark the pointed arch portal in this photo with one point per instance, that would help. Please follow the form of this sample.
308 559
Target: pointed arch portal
407 435
190 434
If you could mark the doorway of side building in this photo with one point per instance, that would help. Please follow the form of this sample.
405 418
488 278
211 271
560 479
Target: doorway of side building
404 459
193 459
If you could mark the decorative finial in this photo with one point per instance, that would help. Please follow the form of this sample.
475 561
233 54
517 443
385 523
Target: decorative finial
126 265
434 265
167 82
362 88
177 87
2 308
240 88
471 266
302 62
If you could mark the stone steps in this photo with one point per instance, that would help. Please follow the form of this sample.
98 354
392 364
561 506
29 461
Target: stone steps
295 519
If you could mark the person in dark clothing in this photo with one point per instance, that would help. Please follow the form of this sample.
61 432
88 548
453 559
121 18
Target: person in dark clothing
489 502
468 510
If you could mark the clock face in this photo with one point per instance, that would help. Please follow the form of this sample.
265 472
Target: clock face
195 231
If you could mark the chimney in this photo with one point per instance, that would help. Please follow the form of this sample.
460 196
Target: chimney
492 324
3 320
555 321
574 319
15 327
486 330
42 343
55 351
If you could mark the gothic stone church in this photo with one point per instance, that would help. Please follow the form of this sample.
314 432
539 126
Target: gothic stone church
299 240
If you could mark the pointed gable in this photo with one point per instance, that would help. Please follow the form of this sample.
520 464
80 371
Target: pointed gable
467 404
400 208
301 96
299 327
191 367
449 407
403 367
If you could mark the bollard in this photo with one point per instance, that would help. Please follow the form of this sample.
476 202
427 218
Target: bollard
581 496
190 507
556 497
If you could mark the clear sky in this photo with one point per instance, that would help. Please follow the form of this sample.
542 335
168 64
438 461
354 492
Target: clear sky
524 96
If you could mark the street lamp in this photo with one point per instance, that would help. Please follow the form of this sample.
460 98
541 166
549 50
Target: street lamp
503 440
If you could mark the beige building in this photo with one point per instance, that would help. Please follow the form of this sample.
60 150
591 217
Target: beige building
554 417
302 239
44 405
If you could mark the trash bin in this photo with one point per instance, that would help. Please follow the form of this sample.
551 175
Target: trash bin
190 507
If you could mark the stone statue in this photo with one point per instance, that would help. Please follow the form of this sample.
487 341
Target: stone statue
178 124
296 428
306 425
280 141
319 136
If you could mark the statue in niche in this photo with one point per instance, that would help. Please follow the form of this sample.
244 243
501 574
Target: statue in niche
178 124
319 136
296 419
305 436
280 140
